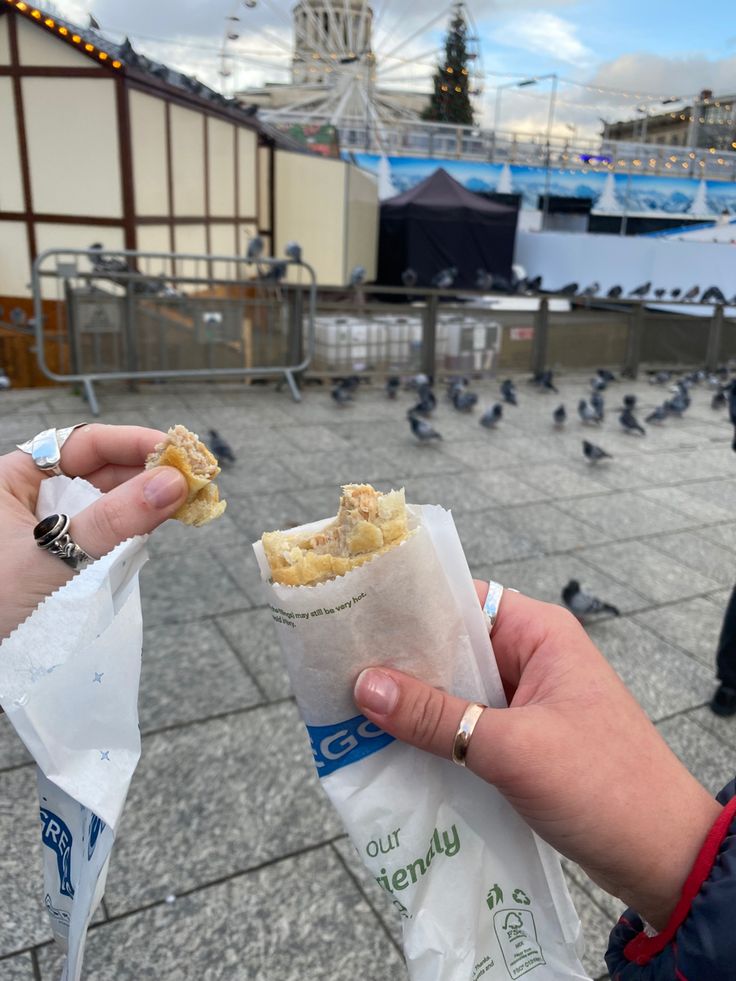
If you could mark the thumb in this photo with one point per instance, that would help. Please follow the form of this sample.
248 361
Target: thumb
134 507
425 717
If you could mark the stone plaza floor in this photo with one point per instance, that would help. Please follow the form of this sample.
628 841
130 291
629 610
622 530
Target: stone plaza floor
230 864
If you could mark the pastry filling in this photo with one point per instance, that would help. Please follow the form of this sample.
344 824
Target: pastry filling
368 523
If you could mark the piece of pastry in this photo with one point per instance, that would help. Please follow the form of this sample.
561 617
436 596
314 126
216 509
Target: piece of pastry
367 524
185 451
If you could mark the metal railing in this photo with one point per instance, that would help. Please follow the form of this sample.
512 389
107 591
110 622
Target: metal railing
416 138
135 316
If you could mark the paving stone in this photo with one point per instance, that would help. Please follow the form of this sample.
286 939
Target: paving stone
693 551
264 512
486 456
723 730
720 492
678 499
597 927
300 918
23 919
544 578
378 899
253 637
701 751
213 799
659 577
181 586
192 676
559 481
663 679
486 541
552 529
611 906
17 427
625 515
19 968
723 534
693 625
12 750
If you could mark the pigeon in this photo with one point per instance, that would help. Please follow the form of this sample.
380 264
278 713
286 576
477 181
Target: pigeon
341 394
483 280
658 415
596 400
220 448
641 291
713 295
274 272
606 375
546 381
445 278
570 289
293 251
692 293
660 378
5 382
409 278
583 604
464 401
732 409
508 392
392 386
350 383
675 292
587 413
630 424
598 384
255 249
675 406
416 381
427 400
533 285
593 453
357 276
422 429
615 292
560 416
491 416
719 399
591 290
659 292
629 401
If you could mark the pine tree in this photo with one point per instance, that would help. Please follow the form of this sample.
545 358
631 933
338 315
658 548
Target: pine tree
450 101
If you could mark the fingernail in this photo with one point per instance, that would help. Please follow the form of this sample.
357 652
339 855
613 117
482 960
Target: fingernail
164 488
376 691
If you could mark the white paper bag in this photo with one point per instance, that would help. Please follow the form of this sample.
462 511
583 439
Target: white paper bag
69 685
479 894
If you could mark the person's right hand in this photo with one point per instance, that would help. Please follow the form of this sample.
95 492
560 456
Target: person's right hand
574 754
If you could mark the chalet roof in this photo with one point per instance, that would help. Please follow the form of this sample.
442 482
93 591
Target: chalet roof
122 57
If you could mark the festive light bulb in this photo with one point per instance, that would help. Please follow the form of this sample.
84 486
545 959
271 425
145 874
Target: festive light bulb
89 47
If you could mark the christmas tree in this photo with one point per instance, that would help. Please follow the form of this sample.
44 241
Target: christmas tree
450 101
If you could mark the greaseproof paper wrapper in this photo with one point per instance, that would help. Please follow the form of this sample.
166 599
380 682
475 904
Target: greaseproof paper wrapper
69 685
478 893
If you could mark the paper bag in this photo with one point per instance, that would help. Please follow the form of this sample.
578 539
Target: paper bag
479 895
69 685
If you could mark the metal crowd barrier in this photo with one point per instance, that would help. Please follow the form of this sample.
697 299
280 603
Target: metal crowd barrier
151 316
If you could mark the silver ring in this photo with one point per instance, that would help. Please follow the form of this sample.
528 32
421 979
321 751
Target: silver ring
493 602
465 729
45 448
52 534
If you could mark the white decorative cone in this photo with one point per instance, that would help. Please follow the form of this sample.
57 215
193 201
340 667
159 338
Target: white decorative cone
504 181
608 200
386 186
700 204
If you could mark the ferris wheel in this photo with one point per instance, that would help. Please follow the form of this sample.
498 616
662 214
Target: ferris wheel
342 60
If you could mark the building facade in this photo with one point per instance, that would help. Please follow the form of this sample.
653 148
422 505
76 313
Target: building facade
709 122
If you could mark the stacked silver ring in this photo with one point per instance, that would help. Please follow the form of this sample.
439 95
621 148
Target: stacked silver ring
52 534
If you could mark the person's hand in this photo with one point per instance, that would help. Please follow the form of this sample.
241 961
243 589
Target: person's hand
574 754
134 502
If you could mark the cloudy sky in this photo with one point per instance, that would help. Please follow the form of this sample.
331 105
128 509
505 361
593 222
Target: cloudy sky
639 48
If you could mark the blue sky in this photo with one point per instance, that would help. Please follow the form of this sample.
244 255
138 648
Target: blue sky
638 46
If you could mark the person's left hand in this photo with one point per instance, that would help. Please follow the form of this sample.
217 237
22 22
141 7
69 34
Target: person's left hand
134 502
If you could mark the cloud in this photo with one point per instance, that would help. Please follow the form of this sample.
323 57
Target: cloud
544 33
685 75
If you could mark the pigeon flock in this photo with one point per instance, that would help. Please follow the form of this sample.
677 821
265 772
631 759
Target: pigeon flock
591 412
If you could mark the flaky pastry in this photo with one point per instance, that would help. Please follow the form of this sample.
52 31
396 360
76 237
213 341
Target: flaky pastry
367 524
184 450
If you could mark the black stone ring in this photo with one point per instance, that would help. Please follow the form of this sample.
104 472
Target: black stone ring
52 534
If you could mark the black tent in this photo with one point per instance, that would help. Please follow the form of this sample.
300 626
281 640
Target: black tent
439 224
